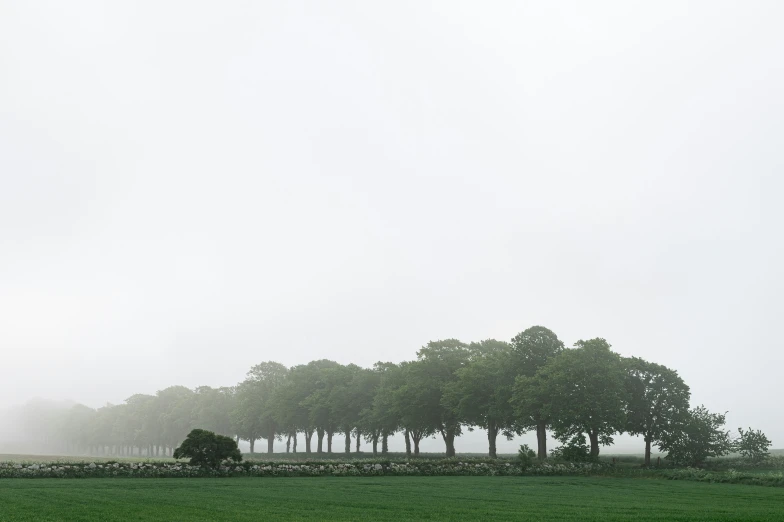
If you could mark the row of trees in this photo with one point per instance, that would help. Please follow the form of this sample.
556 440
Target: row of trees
532 383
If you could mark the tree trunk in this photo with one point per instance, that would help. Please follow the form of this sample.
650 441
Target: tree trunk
375 445
359 438
594 444
288 444
308 437
384 444
647 451
407 434
541 439
492 435
271 442
320 435
252 445
449 440
416 446
329 441
348 441
237 440
295 441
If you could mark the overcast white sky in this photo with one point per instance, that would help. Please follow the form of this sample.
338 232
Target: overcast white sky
190 188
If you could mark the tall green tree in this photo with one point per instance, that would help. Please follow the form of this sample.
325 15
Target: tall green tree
586 391
482 391
415 401
383 417
532 349
324 375
289 404
246 417
345 400
428 380
265 379
658 400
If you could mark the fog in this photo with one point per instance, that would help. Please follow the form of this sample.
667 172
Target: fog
190 188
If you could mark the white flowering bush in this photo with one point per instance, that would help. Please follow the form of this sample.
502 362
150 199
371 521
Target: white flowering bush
368 467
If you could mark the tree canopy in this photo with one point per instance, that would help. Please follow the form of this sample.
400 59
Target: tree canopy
207 449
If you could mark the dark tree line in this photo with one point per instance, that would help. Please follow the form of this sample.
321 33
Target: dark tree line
532 383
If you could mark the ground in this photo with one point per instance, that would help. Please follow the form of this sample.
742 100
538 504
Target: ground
384 498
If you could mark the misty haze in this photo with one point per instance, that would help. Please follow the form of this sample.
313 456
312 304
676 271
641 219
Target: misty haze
395 237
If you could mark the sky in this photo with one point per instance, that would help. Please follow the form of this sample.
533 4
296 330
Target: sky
189 188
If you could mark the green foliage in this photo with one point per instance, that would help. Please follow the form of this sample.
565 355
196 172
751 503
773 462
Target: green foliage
575 450
206 449
658 400
526 456
532 349
482 391
752 444
583 392
423 397
699 436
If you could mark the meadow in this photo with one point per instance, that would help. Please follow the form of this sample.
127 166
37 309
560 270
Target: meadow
385 498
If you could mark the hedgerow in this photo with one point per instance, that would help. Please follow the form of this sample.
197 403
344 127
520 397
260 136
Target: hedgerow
377 467
369 467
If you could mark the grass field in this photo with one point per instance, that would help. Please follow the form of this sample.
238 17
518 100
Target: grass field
385 498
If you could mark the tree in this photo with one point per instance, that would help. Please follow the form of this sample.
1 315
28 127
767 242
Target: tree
532 349
345 399
584 390
147 430
415 401
480 395
699 436
213 409
384 415
323 376
265 380
288 404
175 414
752 444
247 413
422 395
207 449
73 428
658 399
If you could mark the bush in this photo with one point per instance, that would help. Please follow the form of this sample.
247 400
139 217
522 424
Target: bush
699 436
526 456
313 468
576 450
752 444
206 449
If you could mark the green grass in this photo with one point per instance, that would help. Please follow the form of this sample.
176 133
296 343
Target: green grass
385 498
